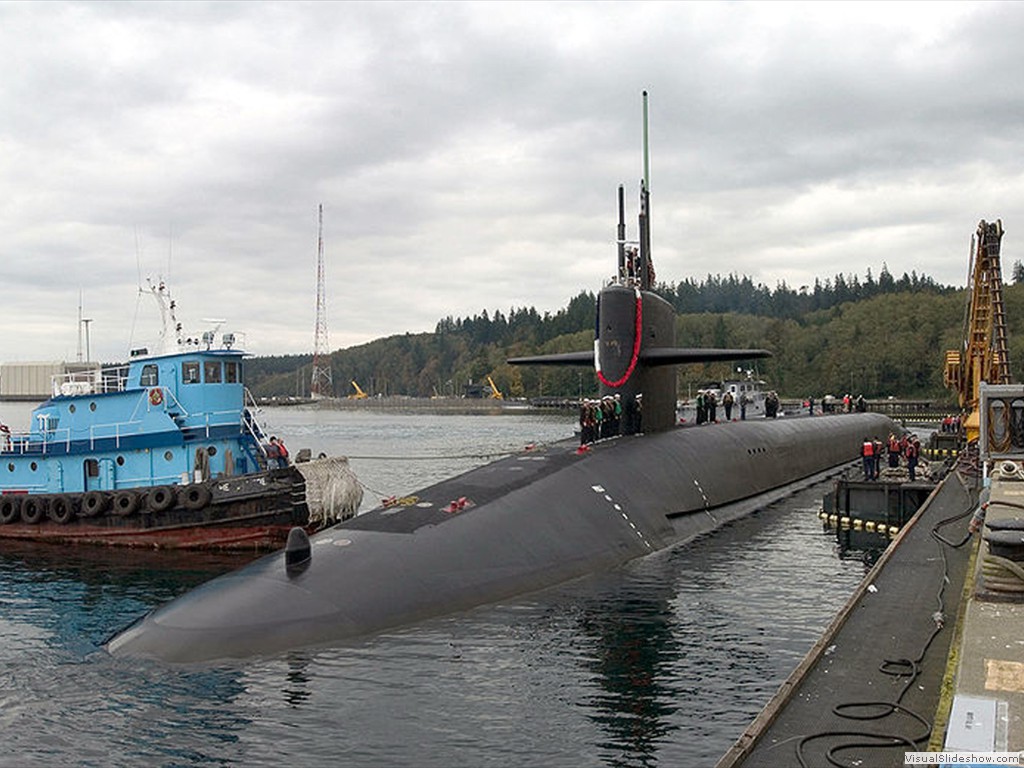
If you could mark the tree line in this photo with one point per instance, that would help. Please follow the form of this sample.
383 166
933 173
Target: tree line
873 336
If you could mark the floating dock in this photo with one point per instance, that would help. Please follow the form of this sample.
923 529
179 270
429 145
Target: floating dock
870 687
928 653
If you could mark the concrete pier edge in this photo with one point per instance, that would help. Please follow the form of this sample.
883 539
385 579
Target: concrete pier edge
941 719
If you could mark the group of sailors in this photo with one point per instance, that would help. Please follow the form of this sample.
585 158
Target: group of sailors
950 424
707 405
907 447
607 417
631 270
850 404
829 404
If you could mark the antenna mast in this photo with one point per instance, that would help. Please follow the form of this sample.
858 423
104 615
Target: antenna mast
321 385
79 325
646 270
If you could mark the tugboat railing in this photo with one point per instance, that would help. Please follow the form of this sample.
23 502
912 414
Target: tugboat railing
213 420
249 424
92 381
173 398
28 443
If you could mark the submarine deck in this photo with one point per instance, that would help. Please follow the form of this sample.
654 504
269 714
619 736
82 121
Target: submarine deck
437 503
748 441
869 688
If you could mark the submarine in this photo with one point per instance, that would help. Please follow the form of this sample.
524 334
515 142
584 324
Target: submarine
527 521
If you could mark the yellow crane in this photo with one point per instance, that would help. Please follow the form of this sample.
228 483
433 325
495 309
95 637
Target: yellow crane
495 392
984 354
359 394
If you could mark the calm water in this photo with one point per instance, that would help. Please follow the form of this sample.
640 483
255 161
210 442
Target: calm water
663 662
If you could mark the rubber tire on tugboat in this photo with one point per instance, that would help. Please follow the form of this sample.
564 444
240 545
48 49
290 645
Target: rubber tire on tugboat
126 503
160 499
33 509
195 497
62 509
94 503
10 509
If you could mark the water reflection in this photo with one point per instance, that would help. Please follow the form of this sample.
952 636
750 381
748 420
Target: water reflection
689 644
634 649
297 682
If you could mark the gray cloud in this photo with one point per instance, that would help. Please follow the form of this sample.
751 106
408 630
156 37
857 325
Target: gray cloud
467 154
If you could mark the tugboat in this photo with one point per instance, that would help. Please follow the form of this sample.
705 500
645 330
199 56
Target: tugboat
164 452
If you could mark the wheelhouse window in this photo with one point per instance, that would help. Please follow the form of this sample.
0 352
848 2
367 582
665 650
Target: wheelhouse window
211 372
190 372
149 377
231 372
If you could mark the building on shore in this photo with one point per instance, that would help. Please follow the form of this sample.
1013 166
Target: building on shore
33 381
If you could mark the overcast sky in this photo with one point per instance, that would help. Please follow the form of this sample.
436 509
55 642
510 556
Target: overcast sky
467 155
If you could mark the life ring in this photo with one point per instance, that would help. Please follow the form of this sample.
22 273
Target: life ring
33 509
10 509
156 396
195 497
93 503
160 499
126 503
62 509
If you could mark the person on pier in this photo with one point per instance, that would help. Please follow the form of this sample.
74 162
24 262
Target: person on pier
867 453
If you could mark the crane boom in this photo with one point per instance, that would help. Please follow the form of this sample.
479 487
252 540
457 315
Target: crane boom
984 354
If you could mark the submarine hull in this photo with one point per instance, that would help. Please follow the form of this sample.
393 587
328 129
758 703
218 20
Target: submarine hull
517 525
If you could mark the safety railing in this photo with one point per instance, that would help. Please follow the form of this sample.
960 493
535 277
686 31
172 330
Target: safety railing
250 425
95 381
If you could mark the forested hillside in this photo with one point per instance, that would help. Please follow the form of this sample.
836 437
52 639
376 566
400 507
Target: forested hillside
876 337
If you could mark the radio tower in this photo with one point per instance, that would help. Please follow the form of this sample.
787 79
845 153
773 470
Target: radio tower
321 384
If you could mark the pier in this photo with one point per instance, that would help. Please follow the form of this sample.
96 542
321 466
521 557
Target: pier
870 686
928 653
983 707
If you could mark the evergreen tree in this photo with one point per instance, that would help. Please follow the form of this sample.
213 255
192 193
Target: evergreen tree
1018 272
826 339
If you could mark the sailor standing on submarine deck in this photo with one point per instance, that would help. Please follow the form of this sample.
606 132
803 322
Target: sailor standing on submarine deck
727 401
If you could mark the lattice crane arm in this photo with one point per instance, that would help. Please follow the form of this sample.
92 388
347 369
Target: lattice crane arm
984 353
